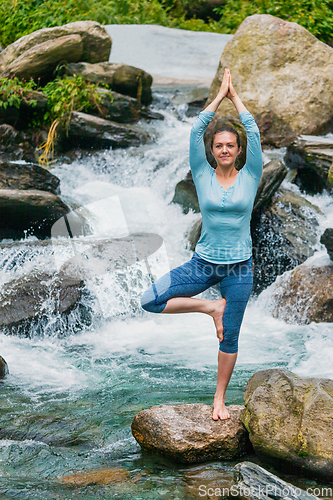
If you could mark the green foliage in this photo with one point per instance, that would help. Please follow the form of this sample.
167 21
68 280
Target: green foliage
68 94
13 91
314 15
21 17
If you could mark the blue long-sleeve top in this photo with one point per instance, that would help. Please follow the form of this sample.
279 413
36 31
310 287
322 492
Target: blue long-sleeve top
226 214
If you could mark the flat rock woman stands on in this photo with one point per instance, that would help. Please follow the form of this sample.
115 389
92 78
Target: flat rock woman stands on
223 253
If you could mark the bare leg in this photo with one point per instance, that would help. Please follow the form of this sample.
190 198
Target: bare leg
226 363
214 308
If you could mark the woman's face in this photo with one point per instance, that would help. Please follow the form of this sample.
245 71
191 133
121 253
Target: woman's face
225 149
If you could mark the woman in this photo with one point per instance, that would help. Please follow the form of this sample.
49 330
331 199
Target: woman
223 253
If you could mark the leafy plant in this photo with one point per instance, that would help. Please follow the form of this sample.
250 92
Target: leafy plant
314 15
65 95
13 91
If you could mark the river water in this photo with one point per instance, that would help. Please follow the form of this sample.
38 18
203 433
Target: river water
74 386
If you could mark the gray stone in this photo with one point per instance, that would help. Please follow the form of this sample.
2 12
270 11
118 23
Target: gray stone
186 194
253 482
187 433
41 60
305 295
122 78
27 176
275 66
101 132
29 212
327 240
125 109
312 156
33 296
289 420
284 235
15 145
96 42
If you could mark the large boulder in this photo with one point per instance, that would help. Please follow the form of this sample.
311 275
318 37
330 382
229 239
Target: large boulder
41 60
27 176
96 43
122 78
305 295
289 420
93 131
253 482
284 235
29 299
275 66
187 433
312 156
29 212
327 240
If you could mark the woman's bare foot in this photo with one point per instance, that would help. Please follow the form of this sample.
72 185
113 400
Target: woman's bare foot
220 410
216 312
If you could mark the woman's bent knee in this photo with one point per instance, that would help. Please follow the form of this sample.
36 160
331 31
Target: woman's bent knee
148 302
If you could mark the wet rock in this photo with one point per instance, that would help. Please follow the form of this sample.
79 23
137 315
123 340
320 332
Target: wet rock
33 297
108 475
186 194
32 102
122 78
125 109
41 60
187 433
25 176
96 42
289 420
16 145
327 240
3 368
273 174
305 295
29 212
195 99
253 482
312 156
283 237
93 131
275 66
199 480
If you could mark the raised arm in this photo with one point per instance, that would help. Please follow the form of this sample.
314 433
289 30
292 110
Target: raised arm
254 161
